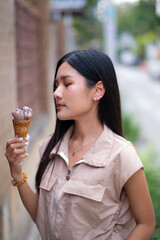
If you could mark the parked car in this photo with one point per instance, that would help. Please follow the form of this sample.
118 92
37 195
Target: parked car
128 58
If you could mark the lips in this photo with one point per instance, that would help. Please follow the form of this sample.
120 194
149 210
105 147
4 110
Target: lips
59 106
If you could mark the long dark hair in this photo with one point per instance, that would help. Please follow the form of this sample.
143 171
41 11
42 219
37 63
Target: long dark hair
94 66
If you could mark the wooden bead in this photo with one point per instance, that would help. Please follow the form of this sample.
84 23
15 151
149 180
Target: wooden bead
67 177
14 183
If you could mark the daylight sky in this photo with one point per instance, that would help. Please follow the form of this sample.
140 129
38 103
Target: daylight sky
122 1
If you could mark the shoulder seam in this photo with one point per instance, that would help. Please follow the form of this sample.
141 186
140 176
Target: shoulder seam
128 145
121 138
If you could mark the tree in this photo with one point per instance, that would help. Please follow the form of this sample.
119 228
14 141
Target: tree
87 27
140 20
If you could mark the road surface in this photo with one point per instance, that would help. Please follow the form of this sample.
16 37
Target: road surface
140 96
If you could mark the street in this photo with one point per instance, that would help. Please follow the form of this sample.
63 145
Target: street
140 96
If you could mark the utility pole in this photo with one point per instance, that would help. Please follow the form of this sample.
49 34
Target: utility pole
106 13
110 31
158 8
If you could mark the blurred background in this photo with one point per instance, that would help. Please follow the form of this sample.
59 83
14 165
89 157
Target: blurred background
34 34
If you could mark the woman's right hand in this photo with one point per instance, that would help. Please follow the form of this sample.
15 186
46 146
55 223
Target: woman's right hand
15 152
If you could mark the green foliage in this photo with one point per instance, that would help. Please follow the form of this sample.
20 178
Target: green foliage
87 28
138 18
142 40
130 128
152 170
141 21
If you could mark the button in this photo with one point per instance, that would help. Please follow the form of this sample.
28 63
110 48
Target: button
67 177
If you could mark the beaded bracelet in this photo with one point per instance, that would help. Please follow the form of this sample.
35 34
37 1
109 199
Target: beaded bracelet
17 184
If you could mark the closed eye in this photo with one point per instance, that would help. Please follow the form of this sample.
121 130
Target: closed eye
67 84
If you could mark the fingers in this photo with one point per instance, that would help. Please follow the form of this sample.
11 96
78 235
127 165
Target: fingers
15 150
14 141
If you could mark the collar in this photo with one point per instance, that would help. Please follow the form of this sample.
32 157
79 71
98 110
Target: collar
64 144
98 154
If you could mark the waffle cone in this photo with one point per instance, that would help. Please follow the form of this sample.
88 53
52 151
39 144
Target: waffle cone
21 127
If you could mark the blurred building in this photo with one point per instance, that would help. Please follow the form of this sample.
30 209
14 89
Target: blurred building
28 51
33 35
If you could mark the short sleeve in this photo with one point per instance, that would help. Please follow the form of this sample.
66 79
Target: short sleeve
129 163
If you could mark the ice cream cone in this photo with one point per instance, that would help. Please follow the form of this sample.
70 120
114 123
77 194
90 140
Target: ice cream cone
21 127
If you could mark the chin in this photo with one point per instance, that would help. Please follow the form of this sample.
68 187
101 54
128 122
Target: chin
63 118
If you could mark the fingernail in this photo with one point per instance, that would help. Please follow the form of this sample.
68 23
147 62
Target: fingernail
20 139
27 154
26 143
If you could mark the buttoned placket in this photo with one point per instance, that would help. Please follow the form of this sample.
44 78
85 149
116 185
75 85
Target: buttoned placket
61 190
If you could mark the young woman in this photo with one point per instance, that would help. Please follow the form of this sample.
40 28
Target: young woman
90 181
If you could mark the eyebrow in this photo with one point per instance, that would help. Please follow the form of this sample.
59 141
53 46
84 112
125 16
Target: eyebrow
64 77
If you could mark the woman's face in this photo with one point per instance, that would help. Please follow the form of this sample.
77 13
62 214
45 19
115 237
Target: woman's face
73 98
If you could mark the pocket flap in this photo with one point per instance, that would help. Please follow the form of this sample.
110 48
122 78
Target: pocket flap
48 181
86 190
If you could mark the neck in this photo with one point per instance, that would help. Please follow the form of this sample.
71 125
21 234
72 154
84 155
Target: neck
87 130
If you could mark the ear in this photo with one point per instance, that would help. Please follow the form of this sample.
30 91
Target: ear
99 90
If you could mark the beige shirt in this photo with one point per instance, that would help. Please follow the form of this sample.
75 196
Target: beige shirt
92 204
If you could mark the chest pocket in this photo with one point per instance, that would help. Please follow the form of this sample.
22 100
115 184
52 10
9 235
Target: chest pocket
47 196
84 201
85 190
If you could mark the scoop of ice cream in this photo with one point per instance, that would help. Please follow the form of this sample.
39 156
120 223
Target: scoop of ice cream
22 114
27 111
18 114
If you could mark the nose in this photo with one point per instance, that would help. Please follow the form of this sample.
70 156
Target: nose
57 94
